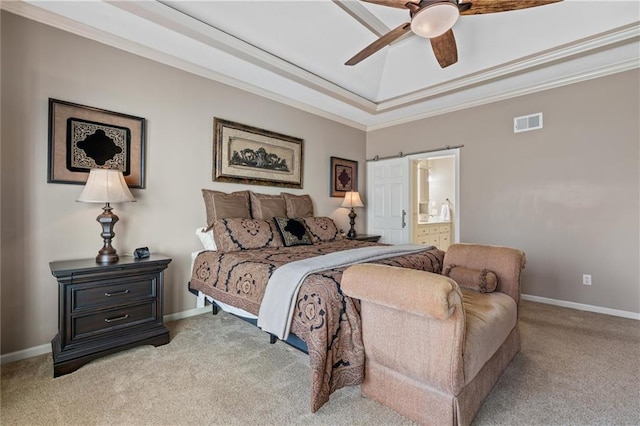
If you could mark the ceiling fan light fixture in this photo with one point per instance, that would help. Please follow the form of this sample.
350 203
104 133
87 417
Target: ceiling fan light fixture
435 19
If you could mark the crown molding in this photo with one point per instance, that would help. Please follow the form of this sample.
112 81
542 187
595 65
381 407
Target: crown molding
188 26
539 87
37 14
580 47
324 98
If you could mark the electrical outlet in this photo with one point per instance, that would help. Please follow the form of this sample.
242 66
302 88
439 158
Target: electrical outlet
586 279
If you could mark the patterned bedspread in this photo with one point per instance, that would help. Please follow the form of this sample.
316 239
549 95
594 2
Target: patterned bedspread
325 319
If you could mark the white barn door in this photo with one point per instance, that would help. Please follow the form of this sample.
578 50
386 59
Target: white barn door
388 200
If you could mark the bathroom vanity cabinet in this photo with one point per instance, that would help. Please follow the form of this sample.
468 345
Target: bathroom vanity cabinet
433 233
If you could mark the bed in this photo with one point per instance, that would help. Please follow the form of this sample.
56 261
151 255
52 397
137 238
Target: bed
250 249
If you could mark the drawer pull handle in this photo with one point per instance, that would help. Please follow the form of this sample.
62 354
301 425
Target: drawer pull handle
117 294
124 317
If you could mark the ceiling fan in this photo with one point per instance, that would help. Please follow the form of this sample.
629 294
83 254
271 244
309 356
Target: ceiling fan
433 19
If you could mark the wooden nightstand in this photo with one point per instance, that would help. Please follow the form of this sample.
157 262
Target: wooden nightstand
104 309
366 237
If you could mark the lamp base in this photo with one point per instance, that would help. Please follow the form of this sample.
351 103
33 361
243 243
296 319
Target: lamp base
107 219
352 222
107 258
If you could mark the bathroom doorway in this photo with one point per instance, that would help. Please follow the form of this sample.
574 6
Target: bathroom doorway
434 198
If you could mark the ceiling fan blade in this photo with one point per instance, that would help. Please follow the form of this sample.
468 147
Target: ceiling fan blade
400 4
479 7
380 43
444 47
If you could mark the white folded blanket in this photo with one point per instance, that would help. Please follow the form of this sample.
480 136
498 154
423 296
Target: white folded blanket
276 309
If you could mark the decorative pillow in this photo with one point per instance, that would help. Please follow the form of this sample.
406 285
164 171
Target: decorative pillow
322 229
293 231
266 207
220 205
483 281
298 205
236 234
206 238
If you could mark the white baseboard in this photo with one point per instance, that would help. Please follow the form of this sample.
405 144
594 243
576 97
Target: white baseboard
582 307
46 348
25 353
186 314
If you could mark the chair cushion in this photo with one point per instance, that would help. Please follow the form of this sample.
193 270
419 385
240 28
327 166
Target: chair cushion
489 318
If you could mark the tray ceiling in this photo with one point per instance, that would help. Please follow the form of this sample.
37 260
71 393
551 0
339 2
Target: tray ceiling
294 51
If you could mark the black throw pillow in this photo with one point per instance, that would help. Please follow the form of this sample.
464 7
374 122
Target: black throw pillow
293 231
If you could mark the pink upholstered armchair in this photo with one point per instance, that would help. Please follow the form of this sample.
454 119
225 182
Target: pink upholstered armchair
433 350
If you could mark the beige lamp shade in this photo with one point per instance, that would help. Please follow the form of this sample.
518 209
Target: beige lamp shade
106 186
352 199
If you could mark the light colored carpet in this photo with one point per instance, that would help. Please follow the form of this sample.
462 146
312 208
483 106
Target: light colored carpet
575 368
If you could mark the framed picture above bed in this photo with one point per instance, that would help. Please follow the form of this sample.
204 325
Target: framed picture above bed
344 176
82 138
245 154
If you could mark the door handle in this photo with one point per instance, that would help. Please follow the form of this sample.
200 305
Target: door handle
404 215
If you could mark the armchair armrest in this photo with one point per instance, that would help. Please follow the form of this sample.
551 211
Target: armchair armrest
408 290
406 311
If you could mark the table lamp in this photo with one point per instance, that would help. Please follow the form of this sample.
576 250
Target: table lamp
106 186
352 199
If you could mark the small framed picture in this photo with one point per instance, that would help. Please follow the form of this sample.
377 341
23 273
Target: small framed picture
344 176
82 138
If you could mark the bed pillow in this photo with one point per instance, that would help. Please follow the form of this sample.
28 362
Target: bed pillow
266 207
206 238
298 205
220 205
236 234
322 229
483 281
293 231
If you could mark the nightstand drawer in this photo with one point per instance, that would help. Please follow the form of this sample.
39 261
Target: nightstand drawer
85 297
108 321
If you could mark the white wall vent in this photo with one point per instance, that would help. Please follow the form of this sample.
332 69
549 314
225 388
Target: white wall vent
527 122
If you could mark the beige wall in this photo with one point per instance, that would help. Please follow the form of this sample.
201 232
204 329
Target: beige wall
41 222
568 195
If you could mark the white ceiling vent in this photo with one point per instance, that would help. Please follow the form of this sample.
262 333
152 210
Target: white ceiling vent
527 122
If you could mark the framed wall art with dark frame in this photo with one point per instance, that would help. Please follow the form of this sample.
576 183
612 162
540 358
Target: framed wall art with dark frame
82 138
245 154
344 176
